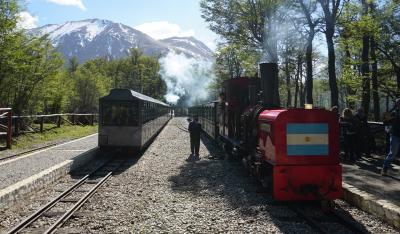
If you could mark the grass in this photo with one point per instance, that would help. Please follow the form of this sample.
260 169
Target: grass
64 133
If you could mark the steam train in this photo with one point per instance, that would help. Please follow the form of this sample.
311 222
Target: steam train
129 120
293 152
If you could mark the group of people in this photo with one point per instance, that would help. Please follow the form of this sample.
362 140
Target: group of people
358 140
355 134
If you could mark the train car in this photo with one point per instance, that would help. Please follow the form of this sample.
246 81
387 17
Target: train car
207 114
179 111
294 152
130 120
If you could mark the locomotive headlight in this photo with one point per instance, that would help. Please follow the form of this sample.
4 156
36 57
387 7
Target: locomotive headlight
308 106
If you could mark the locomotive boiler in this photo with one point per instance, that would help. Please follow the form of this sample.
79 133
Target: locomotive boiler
294 152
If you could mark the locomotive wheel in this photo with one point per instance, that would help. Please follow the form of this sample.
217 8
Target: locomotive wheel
327 205
246 164
228 151
265 176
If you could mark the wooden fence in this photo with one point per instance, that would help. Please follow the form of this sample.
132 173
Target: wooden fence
6 129
16 125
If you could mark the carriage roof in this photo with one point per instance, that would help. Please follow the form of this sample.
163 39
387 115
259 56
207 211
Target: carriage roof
129 95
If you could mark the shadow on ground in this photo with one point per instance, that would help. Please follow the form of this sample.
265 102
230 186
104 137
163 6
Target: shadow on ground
228 181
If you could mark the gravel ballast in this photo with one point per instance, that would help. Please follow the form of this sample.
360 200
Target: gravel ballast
163 193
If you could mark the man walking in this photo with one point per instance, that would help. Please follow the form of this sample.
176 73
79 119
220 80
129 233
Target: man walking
194 130
394 148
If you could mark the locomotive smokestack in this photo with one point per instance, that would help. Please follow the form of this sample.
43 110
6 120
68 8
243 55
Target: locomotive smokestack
269 84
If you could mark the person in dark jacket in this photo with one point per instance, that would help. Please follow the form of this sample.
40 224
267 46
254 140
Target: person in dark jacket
350 126
195 130
364 140
394 131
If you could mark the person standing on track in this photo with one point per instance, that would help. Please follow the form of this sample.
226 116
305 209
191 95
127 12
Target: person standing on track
195 130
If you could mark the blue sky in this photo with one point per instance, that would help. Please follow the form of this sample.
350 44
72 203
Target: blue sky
158 18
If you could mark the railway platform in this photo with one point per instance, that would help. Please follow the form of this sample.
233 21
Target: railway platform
27 173
367 189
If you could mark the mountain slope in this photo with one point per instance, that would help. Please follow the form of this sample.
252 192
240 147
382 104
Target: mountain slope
190 46
88 39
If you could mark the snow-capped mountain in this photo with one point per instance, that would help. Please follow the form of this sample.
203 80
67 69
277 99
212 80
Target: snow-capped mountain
190 46
88 39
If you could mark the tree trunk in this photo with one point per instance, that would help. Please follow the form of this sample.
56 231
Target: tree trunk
396 68
387 102
302 94
309 72
289 94
350 91
375 91
397 71
296 90
366 80
332 68
330 21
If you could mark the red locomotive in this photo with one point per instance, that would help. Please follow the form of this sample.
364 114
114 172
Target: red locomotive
294 152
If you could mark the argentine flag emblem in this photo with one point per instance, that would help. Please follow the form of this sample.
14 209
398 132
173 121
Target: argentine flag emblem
307 139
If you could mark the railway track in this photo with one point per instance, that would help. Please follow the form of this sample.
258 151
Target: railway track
322 220
182 128
77 194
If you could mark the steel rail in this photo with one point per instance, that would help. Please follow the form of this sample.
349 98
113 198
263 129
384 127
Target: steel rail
182 128
317 226
39 213
77 205
346 222
33 217
332 214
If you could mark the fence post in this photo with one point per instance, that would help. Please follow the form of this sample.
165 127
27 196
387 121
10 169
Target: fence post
9 129
16 127
58 121
92 120
73 119
41 123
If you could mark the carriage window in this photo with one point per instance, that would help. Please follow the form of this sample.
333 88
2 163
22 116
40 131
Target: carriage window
120 113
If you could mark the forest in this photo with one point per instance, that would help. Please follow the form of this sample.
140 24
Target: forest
342 53
36 79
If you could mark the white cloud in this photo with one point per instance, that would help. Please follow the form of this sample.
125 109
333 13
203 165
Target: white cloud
76 3
27 21
164 29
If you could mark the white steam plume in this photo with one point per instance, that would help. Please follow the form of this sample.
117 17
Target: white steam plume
187 78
